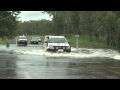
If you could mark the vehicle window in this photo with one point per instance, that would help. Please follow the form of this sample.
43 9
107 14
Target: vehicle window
22 37
57 40
34 38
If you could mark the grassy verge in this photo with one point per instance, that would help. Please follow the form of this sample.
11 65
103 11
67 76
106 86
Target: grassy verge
84 42
2 42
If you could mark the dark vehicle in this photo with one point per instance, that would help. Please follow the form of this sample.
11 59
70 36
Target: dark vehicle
39 39
35 40
22 40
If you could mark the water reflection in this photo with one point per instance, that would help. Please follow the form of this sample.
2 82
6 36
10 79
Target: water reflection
55 66
95 69
84 68
7 66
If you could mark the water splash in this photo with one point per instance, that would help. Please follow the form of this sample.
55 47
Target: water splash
83 53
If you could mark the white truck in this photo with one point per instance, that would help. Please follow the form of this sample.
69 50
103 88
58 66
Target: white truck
22 40
56 43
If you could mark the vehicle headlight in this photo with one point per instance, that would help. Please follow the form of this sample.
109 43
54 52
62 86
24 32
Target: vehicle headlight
63 47
56 47
50 46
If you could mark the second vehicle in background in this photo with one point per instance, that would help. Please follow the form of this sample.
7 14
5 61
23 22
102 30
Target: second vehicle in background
35 40
22 40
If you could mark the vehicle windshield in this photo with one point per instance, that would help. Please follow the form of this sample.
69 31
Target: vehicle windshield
57 40
34 38
22 37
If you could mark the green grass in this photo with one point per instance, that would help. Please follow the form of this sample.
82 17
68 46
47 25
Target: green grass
84 42
2 42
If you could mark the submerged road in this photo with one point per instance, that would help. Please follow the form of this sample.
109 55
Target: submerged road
31 63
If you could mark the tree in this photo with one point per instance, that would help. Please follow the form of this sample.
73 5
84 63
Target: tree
8 23
33 27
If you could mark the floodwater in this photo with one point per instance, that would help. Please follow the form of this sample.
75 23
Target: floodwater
32 62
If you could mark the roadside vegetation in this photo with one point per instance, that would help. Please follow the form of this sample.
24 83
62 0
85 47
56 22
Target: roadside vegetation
2 42
8 25
84 42
97 29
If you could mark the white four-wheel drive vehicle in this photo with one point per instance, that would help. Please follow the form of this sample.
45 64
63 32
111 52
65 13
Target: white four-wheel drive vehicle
22 40
56 43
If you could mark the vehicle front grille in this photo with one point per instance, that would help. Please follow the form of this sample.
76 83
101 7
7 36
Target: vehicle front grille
60 47
22 41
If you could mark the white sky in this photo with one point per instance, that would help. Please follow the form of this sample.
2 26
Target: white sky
33 15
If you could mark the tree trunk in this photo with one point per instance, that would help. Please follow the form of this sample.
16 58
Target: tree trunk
108 42
90 36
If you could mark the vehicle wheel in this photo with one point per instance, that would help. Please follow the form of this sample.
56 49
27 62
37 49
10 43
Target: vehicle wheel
68 51
25 45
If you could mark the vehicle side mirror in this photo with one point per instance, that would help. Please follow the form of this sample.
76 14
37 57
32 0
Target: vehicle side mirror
46 42
68 42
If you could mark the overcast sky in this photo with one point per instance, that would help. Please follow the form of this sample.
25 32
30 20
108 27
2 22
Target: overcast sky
33 15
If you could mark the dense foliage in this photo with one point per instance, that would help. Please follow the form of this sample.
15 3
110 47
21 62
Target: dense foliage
8 23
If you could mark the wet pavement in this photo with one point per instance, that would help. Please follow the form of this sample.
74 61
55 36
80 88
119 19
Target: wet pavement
7 66
23 63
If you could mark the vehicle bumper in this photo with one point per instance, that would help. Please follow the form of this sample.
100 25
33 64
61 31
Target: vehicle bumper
34 42
22 42
59 48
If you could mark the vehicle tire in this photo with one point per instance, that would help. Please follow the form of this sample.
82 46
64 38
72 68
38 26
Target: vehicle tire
48 50
68 51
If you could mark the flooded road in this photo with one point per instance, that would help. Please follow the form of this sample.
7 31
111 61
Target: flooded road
7 66
33 62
